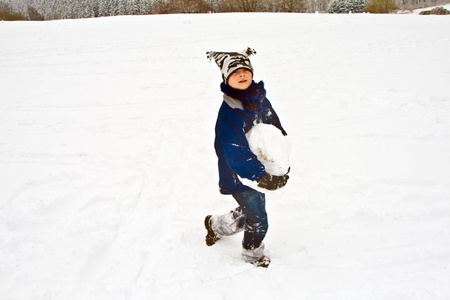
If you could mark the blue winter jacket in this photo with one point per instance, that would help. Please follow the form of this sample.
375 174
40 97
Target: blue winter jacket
235 158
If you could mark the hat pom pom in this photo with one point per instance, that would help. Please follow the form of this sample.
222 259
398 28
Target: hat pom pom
249 51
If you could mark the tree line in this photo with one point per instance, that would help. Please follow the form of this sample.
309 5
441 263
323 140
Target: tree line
74 9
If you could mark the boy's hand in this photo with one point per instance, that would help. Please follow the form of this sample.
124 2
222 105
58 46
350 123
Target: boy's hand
272 182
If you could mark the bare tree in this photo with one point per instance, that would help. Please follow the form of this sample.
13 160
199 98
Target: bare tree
248 5
191 6
295 5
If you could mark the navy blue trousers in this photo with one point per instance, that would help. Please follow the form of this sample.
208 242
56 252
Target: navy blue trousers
253 205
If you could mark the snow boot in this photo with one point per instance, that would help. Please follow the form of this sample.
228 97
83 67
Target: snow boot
211 238
262 262
256 257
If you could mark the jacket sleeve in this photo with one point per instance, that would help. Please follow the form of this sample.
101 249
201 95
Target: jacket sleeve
236 150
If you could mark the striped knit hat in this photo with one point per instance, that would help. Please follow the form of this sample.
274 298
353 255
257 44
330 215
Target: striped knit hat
229 62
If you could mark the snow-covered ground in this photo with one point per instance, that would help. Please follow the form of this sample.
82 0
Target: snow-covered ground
108 168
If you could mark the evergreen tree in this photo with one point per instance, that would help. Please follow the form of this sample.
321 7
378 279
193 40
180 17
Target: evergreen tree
346 6
133 8
123 7
87 9
103 8
114 7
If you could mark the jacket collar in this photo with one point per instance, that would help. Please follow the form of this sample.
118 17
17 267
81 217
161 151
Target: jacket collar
233 103
249 100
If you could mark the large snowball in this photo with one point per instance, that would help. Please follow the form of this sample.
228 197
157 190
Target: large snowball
271 147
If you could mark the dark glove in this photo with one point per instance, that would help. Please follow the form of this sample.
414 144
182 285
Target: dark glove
272 182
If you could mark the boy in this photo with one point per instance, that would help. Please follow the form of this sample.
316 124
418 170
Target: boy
244 105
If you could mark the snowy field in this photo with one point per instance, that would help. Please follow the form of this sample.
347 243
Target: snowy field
108 167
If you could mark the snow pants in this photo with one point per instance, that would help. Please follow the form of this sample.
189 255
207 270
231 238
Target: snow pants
250 216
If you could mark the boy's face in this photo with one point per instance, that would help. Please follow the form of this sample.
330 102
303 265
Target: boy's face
240 79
